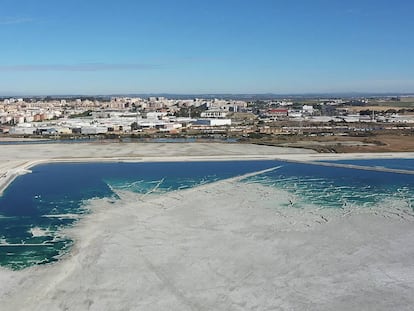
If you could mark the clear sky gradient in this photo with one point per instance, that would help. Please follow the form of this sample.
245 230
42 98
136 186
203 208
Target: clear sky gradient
214 46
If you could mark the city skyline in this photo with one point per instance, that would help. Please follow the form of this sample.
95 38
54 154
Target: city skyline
189 47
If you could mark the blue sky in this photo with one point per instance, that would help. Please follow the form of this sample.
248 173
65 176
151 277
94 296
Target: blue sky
215 46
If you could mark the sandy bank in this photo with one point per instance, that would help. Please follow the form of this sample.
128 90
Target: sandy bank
225 246
138 150
12 154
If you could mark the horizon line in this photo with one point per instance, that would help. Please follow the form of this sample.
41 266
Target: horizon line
210 94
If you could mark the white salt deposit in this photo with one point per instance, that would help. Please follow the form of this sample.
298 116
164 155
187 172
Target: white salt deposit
225 246
39 232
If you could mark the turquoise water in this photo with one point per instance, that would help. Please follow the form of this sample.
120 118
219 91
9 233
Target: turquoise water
36 206
337 187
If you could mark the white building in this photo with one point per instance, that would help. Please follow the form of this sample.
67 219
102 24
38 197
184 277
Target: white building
307 110
212 122
92 130
22 129
214 114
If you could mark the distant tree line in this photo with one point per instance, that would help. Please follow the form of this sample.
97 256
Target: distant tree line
87 113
